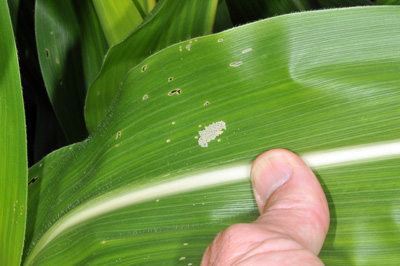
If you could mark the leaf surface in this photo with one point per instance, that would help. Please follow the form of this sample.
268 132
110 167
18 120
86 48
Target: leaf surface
13 162
183 19
118 19
71 47
142 191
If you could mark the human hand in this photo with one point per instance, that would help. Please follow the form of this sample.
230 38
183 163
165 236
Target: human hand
293 222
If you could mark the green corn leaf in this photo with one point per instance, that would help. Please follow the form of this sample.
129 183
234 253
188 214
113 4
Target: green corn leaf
71 47
117 18
222 18
141 190
185 19
144 6
13 163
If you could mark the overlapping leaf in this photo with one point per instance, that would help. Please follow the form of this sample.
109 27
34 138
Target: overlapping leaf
306 82
13 163
71 47
170 22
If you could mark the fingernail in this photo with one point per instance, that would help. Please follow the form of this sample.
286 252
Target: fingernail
268 175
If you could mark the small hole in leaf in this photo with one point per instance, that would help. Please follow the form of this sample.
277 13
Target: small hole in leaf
47 53
206 103
145 97
220 40
170 79
144 68
176 91
32 180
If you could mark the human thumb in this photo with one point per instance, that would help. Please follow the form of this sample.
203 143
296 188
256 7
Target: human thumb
290 198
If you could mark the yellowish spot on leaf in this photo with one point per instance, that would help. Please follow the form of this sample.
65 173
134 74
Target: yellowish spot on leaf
118 135
236 64
247 50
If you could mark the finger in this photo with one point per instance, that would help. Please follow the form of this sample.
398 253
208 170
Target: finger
290 199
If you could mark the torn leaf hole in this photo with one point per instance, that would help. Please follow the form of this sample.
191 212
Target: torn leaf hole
47 53
144 68
32 180
176 91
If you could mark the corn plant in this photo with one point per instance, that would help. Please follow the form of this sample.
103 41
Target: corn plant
149 113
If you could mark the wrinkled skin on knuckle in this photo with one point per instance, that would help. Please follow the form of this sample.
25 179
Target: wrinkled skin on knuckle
230 245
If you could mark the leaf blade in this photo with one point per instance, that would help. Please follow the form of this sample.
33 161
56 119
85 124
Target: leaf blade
280 93
71 47
13 154
148 38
